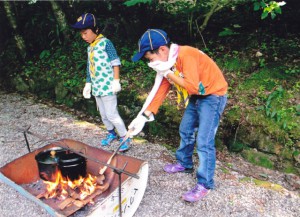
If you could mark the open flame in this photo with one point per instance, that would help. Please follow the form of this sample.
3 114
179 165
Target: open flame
63 187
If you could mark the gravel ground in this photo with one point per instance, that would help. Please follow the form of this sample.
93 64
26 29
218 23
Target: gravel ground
231 197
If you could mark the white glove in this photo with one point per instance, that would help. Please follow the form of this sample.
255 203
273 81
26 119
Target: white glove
87 90
116 86
138 123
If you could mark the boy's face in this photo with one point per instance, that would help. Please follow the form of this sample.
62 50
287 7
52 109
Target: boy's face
88 35
162 55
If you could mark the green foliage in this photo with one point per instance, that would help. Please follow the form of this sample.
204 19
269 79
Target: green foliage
130 3
229 31
272 7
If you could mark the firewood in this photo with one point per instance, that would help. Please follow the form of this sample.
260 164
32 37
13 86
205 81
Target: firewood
103 187
78 203
65 203
43 194
100 177
72 193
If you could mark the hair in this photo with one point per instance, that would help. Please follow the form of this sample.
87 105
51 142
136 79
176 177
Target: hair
95 29
156 50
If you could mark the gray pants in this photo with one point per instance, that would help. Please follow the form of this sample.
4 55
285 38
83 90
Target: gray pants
107 106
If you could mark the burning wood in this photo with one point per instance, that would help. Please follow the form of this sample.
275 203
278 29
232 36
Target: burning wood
74 192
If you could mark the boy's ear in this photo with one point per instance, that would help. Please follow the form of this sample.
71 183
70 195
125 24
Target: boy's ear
164 48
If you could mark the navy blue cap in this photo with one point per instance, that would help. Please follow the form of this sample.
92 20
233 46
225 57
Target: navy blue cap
85 21
151 40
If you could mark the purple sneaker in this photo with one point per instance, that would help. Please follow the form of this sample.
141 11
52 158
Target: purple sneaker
175 168
196 194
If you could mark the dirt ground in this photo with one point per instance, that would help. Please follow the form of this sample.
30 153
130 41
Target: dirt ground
241 188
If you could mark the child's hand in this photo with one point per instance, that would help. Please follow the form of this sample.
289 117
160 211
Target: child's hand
116 86
138 124
87 90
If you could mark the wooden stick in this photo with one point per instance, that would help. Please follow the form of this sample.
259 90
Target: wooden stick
103 169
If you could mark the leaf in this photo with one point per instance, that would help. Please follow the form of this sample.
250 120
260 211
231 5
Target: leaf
273 15
256 6
134 2
236 26
264 15
278 10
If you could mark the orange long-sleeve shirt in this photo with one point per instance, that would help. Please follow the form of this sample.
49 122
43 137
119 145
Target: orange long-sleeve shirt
198 70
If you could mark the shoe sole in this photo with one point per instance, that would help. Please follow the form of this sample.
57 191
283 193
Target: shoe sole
107 143
124 150
193 201
182 171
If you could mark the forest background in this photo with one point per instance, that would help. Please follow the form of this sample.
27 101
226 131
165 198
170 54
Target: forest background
255 43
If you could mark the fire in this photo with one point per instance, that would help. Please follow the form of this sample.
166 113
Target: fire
63 187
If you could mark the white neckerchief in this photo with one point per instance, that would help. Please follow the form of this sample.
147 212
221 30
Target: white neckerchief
160 66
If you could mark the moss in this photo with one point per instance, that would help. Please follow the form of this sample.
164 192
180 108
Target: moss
236 147
289 167
258 158
268 185
246 179
263 184
19 84
287 153
225 170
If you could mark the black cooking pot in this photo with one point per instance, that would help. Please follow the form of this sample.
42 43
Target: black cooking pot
47 161
51 160
72 166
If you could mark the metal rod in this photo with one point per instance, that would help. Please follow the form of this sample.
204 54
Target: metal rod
120 190
120 194
26 141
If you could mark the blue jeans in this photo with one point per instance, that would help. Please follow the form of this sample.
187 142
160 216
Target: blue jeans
199 126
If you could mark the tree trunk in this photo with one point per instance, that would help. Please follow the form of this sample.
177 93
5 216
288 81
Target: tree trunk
61 20
20 42
208 15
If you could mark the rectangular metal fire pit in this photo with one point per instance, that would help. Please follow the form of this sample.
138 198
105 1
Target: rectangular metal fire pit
22 174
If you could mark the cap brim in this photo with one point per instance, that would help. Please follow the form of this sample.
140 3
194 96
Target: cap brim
137 56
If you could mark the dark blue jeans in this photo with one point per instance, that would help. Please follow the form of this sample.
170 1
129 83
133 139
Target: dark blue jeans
199 126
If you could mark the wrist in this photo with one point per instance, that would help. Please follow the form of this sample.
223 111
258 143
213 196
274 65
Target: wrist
146 116
167 73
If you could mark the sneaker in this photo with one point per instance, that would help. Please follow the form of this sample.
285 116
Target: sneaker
196 194
175 168
109 138
125 146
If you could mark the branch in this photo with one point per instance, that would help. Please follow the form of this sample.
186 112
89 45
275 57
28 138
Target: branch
208 15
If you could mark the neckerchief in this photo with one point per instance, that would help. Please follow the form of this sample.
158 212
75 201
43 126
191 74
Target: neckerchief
182 94
91 57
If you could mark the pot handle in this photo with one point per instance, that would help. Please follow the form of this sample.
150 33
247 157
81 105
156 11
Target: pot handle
82 150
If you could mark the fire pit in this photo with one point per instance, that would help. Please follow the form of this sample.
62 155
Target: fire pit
64 196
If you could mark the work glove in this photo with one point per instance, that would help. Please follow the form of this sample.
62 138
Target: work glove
138 123
116 86
87 90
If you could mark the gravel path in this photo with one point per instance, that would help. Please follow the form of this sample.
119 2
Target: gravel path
232 196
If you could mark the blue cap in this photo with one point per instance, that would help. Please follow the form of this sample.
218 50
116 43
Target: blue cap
85 21
151 40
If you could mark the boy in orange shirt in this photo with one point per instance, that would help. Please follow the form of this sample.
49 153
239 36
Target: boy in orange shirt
201 85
